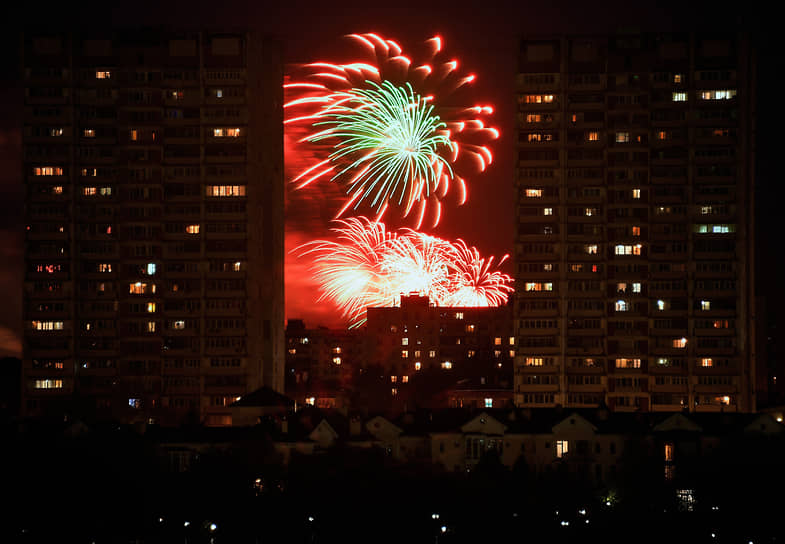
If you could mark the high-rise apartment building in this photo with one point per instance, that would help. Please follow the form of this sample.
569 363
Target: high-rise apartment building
153 163
634 253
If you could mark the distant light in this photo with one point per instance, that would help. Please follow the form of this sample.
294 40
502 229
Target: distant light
310 518
160 520
713 535
565 523
779 419
444 530
607 503
186 524
434 516
587 521
582 511
213 526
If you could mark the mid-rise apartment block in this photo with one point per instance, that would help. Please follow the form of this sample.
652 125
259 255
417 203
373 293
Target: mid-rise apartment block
153 163
634 245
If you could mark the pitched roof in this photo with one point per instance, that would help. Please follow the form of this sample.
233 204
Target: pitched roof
264 396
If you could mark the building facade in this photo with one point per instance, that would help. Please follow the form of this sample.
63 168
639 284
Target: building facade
462 343
634 254
153 163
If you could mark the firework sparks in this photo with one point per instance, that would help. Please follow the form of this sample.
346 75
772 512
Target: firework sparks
368 266
393 133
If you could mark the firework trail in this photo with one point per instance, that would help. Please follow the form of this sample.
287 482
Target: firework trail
368 266
395 137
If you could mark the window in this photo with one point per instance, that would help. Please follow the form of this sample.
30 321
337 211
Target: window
679 343
723 94
707 362
539 286
151 326
593 136
469 328
621 306
151 307
404 341
622 137
679 97
562 447
547 211
497 341
47 171
705 305
432 353
192 229
636 231
636 193
668 453
393 379
531 193
447 365
49 384
538 98
458 315
133 134
103 75
677 78
225 190
405 354
591 249
417 366
226 132
533 361
489 403
88 133
661 305
628 363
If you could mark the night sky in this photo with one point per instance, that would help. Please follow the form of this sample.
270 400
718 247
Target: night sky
483 36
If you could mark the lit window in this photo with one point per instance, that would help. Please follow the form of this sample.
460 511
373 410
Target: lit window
636 287
432 353
394 391
660 304
679 97
225 190
103 75
417 353
562 448
405 354
512 340
512 353
668 452
57 189
55 132
497 353
591 249
707 362
636 249
337 360
531 193
151 307
623 250
47 171
49 384
705 305
636 231
539 286
636 193
533 361
458 315
219 93
405 379
593 136
470 353
393 379
621 306
547 267
133 134
104 267
469 328
150 269
89 172
179 325
151 326
489 403
663 361
723 94
311 401
447 365
547 211
47 325
88 133
192 229
679 343
677 78
237 266
404 341
497 341
661 135
539 98
628 363
417 366
622 137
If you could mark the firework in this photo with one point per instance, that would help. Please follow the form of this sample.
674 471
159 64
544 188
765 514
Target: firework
368 266
394 136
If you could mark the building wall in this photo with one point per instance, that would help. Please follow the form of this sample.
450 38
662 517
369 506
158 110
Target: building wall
154 253
634 254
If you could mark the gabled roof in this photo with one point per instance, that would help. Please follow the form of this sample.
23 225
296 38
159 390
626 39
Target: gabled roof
264 397
677 422
484 423
575 423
